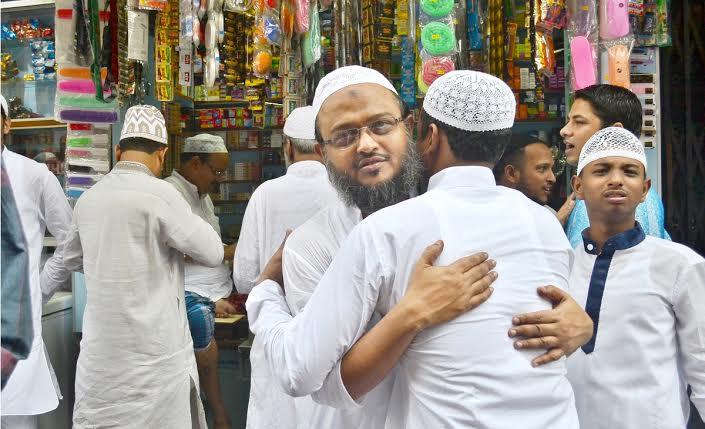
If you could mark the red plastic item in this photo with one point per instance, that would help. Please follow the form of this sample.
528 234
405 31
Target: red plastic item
64 13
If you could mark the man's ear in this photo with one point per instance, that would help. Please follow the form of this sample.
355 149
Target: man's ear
511 174
577 183
118 152
318 148
645 192
433 141
618 124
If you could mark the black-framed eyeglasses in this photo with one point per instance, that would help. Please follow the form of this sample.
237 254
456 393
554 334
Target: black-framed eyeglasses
217 173
378 128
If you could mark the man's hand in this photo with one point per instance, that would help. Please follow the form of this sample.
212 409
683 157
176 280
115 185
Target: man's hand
439 294
223 308
273 269
566 209
228 253
560 330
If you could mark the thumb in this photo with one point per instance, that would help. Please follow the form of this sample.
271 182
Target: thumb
552 294
431 253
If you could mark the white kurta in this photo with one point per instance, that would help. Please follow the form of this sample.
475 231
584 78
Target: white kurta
212 283
465 373
650 333
42 205
277 205
136 368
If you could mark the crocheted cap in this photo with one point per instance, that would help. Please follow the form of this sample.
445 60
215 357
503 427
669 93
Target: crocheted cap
205 143
611 141
144 121
300 124
471 101
344 77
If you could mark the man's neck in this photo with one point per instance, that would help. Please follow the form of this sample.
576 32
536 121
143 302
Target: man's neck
305 157
600 232
187 175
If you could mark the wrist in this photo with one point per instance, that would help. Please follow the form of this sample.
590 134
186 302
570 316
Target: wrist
411 317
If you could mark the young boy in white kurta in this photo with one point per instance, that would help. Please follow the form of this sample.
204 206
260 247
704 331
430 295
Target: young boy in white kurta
645 296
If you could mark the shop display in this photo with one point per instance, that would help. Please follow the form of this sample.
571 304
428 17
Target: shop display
88 153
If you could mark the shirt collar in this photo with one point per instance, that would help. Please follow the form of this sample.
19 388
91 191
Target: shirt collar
622 241
306 168
463 176
192 189
131 166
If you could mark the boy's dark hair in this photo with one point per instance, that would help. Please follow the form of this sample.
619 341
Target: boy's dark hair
475 146
140 144
514 153
613 104
405 112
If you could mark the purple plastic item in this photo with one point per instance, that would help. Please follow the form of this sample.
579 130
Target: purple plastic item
86 181
88 116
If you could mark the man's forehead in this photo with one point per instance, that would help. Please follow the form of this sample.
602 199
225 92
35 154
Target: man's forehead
616 161
354 93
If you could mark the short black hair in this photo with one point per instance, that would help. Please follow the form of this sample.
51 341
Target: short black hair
140 144
188 156
403 107
514 153
613 104
474 146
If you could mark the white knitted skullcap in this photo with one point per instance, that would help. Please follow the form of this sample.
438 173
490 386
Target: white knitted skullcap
3 105
611 141
344 77
300 124
471 101
205 143
144 121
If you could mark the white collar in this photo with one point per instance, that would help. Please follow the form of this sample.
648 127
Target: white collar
190 187
463 176
132 166
306 168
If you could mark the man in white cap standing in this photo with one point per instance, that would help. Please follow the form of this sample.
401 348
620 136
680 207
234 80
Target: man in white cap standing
130 234
42 205
277 205
462 373
645 295
204 161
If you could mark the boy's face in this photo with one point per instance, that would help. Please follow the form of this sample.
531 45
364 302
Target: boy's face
582 124
612 188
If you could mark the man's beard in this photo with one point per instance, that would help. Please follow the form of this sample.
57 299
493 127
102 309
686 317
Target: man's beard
369 199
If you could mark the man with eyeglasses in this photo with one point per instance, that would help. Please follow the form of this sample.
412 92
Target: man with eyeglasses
277 205
204 162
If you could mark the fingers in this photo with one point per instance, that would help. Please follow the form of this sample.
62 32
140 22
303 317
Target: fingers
545 316
547 342
479 298
478 272
552 294
468 262
548 357
431 254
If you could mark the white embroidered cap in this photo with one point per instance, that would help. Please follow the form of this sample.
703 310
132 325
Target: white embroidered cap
205 143
471 101
144 121
301 124
611 141
344 77
3 105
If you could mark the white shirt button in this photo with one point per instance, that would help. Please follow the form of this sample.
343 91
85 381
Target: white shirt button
590 247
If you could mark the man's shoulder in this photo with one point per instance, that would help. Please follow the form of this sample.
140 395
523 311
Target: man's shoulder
667 250
317 231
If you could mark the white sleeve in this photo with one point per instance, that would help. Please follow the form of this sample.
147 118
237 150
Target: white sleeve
300 277
689 296
188 233
72 252
57 216
302 351
246 267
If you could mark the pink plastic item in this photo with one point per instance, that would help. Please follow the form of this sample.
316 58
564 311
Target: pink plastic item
583 65
79 87
302 16
614 19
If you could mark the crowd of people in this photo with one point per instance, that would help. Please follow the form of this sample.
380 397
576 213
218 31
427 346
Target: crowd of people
402 273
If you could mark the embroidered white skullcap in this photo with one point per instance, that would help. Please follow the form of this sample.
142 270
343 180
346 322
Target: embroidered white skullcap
5 109
611 141
301 124
471 101
144 121
205 143
344 77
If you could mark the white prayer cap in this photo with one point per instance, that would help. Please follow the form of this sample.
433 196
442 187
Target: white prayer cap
344 77
471 101
144 121
301 124
205 143
3 105
612 141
